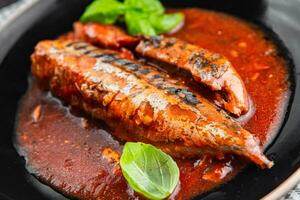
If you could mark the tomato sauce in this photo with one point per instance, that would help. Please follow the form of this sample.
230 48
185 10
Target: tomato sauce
79 158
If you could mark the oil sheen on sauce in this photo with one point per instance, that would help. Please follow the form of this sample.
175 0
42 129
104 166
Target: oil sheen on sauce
80 158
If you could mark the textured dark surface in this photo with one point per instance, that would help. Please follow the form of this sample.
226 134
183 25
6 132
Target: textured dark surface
50 18
6 2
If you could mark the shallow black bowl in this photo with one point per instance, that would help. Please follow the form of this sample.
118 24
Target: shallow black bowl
48 19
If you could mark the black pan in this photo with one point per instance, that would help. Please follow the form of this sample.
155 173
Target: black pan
49 18
6 2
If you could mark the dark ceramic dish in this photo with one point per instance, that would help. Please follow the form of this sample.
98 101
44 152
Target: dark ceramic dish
48 19
6 2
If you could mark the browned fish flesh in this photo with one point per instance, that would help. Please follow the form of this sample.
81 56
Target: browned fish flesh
211 69
144 101
208 68
103 35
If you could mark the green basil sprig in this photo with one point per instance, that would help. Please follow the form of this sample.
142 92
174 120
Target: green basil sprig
103 11
148 170
142 17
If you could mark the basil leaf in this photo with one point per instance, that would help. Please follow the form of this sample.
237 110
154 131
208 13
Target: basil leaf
148 170
148 6
103 11
142 17
138 23
166 22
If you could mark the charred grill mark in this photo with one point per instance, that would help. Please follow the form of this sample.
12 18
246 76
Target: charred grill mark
171 90
198 60
156 76
83 48
199 63
73 43
191 99
122 61
144 71
132 66
80 46
184 94
108 58
155 41
87 52
214 70
98 55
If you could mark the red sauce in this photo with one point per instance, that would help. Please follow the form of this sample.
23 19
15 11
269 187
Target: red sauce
80 158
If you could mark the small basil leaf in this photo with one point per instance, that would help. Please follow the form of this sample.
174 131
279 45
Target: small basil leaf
165 22
148 170
148 6
138 23
103 11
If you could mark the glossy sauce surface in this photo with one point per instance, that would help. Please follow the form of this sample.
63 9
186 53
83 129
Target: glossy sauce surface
80 158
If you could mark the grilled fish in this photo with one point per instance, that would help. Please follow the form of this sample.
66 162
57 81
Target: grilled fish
208 68
146 102
211 69
107 36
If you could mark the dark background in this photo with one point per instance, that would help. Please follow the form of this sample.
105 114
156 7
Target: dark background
6 2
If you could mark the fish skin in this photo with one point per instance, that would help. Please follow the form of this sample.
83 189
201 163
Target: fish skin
211 69
104 35
142 100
